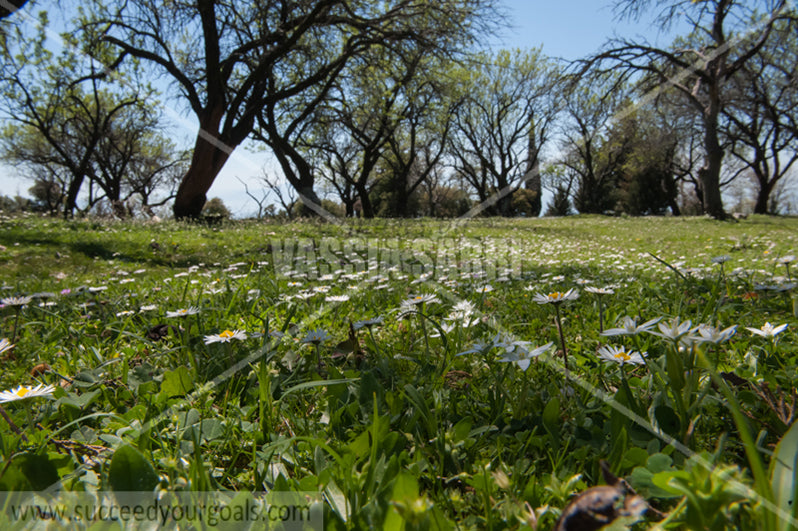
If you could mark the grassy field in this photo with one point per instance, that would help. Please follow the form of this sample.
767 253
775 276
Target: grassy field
409 374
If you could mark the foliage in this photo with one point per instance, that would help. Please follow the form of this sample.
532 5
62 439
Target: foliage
216 208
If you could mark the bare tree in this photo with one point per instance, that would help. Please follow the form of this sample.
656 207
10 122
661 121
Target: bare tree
503 122
761 114
726 35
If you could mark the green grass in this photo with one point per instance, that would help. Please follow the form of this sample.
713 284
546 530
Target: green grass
391 422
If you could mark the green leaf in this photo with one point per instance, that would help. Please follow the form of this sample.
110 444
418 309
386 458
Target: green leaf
28 472
177 382
130 471
642 478
783 475
551 419
675 368
667 419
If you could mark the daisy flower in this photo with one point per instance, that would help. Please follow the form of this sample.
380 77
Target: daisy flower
25 391
600 291
674 329
367 323
183 312
556 297
16 301
768 330
336 298
226 337
428 298
316 336
620 355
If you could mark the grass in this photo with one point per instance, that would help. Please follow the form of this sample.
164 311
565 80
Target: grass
385 365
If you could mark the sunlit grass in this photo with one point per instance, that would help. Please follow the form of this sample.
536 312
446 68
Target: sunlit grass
408 348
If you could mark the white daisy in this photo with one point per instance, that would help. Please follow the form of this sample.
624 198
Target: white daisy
183 312
620 355
24 391
556 297
226 337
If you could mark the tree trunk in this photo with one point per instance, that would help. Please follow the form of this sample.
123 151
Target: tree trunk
709 175
71 200
366 207
762 198
532 177
206 163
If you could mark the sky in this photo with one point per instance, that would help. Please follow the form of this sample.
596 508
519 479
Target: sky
567 29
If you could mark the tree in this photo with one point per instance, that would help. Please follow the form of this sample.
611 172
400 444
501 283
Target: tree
239 62
47 194
351 130
726 35
66 120
589 161
646 181
216 209
502 123
761 114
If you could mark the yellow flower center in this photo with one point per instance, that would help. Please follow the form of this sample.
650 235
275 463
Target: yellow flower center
22 392
623 356
556 295
226 333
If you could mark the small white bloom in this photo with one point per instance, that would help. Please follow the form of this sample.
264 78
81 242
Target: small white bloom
428 298
183 312
367 323
5 344
674 329
711 334
16 301
519 354
630 327
315 336
600 291
620 355
768 330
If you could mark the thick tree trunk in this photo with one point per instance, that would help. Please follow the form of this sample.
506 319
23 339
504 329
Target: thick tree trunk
762 198
206 163
71 200
710 175
366 207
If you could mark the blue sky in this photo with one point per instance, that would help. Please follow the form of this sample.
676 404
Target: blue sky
571 29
